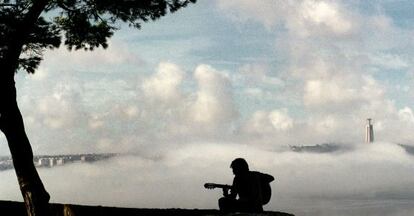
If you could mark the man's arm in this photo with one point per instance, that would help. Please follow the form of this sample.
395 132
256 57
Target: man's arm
233 191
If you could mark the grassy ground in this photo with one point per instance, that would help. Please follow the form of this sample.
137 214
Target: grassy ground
17 208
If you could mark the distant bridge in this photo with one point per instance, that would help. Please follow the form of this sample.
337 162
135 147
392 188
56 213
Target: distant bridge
6 162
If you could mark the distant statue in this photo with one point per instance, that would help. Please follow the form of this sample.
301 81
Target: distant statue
248 193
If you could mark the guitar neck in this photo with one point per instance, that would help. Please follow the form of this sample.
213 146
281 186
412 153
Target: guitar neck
214 185
222 186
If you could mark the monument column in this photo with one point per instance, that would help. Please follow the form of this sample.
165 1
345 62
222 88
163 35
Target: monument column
369 132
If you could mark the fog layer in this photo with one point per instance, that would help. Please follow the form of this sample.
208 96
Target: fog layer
369 179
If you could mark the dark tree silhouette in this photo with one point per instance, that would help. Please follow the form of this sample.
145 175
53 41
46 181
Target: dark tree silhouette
27 29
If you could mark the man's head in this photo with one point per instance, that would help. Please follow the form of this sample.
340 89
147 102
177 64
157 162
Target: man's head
239 166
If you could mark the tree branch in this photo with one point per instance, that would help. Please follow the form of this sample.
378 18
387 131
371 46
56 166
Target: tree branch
63 6
8 5
20 35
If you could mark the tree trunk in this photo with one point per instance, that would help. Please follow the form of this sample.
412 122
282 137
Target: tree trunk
36 198
34 194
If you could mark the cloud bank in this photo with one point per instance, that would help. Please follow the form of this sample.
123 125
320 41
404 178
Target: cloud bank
367 177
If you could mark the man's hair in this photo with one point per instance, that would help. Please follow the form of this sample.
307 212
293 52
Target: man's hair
240 164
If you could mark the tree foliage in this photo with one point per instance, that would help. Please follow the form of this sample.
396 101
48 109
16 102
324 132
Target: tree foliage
79 24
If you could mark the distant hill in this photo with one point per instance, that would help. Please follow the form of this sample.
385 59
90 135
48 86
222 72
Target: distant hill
8 208
408 148
333 147
318 148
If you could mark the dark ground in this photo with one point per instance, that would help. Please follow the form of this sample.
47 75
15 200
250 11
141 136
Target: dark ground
17 208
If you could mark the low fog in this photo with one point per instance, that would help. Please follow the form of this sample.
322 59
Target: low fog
367 180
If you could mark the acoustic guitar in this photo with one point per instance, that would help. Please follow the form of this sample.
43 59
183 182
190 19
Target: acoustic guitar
266 190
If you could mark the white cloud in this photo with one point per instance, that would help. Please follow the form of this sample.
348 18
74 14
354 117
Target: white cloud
131 111
381 22
113 114
343 89
259 123
41 74
161 110
262 122
56 110
331 49
406 115
326 125
389 61
254 92
324 15
164 84
303 18
327 92
214 103
257 74
267 12
99 59
96 122
280 119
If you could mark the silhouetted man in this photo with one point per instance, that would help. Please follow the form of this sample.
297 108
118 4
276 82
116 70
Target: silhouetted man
252 188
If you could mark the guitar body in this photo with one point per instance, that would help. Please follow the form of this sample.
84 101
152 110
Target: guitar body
266 192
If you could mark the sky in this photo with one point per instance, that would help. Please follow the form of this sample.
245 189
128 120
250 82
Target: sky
220 79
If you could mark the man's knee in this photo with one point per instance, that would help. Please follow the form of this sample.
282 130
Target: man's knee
225 204
222 202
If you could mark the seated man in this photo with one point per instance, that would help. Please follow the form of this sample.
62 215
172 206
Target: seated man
252 188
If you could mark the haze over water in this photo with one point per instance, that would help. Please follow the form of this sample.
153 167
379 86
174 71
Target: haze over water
374 179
